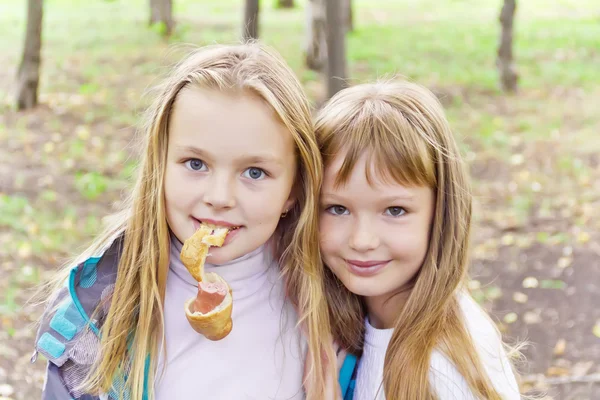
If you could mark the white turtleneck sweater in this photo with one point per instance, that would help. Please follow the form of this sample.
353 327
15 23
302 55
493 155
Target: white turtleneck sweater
444 378
263 356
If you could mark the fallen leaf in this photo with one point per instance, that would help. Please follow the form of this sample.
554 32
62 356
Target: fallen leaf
32 228
596 329
530 282
519 297
25 250
82 132
557 371
474 284
531 317
552 284
582 368
560 347
49 147
583 237
510 318
493 293
517 159
564 262
6 390
508 239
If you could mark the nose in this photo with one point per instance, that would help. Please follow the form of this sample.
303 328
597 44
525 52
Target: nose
363 237
220 193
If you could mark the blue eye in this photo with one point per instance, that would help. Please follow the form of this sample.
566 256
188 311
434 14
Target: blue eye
337 210
195 164
254 173
395 211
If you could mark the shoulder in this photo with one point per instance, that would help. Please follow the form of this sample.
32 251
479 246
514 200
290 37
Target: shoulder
445 379
490 348
68 333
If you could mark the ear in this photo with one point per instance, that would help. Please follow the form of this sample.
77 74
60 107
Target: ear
289 203
292 199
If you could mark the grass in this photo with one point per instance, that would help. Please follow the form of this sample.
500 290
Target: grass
533 155
99 58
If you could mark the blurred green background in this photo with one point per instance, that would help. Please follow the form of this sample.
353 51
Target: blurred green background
534 155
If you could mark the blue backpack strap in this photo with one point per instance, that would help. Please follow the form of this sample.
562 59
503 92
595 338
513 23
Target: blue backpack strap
348 376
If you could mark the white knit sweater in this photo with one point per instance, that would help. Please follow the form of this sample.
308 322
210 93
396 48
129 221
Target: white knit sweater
445 379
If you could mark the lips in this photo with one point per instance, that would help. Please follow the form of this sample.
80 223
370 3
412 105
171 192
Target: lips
215 224
366 268
366 264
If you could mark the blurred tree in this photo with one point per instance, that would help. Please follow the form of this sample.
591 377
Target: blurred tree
285 3
505 63
349 16
336 46
161 12
316 35
250 28
28 75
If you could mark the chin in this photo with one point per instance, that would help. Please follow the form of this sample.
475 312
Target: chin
365 289
218 256
228 253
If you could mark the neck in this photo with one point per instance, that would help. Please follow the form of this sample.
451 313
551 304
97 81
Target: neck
235 272
384 310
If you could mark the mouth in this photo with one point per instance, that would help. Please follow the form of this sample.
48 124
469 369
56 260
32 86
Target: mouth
216 224
366 264
366 268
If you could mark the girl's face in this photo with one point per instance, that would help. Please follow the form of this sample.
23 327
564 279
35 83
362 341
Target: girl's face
230 163
374 237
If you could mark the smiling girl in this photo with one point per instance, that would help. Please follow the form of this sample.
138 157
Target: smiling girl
228 142
395 223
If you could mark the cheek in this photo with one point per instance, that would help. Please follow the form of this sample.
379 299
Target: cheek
330 235
177 190
409 247
264 207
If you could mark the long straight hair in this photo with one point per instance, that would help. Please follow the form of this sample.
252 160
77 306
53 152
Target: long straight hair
133 328
403 130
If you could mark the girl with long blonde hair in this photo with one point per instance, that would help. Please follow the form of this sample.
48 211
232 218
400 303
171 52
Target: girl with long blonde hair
228 141
394 227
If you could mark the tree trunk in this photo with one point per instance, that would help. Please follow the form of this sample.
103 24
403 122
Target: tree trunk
349 16
154 12
506 67
336 46
161 11
28 74
285 3
316 35
250 28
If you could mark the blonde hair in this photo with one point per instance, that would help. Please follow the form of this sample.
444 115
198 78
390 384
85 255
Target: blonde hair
403 130
133 327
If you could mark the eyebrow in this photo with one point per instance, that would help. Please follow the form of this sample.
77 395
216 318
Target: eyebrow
388 199
405 197
260 159
192 149
250 159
